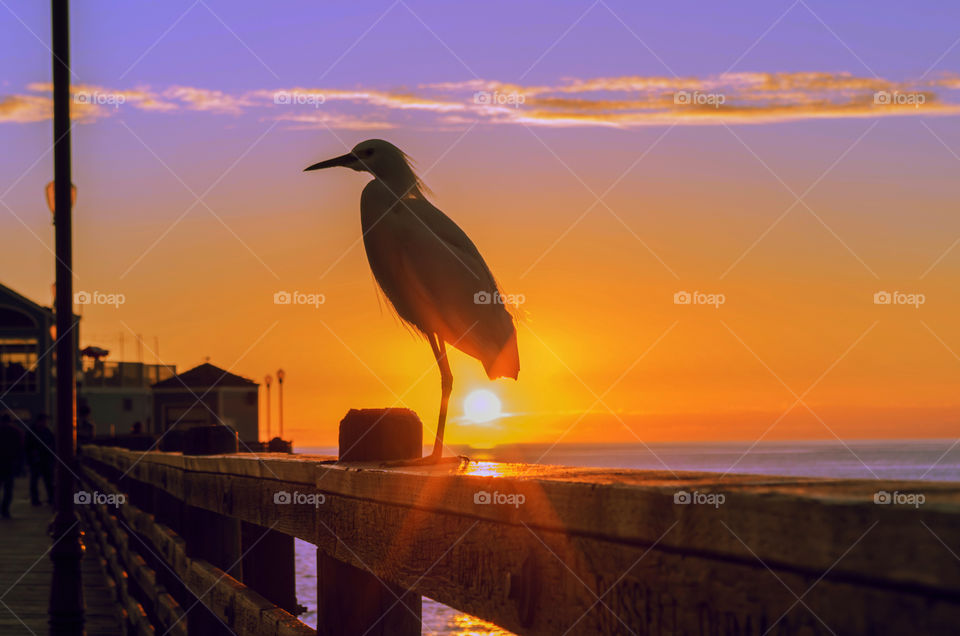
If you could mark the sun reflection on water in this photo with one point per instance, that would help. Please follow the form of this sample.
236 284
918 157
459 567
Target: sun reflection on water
454 623
473 626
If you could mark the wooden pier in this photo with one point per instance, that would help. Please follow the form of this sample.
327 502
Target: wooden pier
203 544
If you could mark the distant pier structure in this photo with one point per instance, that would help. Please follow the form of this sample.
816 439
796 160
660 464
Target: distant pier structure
201 542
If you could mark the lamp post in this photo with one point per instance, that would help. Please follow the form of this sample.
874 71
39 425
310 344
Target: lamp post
65 611
267 381
280 376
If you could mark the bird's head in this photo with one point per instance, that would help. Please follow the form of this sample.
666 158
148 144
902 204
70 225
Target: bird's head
381 159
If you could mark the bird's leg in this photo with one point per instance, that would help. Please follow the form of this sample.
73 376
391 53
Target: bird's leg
446 387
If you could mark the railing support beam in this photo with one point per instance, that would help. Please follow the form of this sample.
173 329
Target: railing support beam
351 600
209 535
268 565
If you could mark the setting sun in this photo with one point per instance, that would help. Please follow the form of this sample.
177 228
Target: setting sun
481 406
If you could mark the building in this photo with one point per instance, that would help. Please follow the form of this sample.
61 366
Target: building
207 395
119 394
26 357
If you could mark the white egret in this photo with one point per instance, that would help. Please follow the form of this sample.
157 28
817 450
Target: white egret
429 270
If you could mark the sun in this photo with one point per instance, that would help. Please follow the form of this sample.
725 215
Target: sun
482 406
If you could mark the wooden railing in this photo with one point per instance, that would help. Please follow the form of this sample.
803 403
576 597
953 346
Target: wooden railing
203 544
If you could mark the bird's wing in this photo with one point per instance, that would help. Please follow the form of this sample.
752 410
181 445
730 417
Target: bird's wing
438 280
456 240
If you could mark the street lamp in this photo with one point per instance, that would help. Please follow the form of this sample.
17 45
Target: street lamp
280 376
267 381
51 193
66 614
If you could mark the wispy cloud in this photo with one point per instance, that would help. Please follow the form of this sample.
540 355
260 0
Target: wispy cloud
304 121
623 101
23 109
733 98
206 100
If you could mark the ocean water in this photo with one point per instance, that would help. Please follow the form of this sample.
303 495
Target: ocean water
907 460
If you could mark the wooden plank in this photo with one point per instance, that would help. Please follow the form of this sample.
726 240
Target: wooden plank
241 609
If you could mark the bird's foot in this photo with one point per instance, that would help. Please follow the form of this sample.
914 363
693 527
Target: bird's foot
429 460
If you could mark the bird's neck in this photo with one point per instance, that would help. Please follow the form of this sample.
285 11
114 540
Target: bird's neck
402 181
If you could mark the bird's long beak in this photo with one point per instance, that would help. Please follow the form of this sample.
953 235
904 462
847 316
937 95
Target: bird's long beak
342 160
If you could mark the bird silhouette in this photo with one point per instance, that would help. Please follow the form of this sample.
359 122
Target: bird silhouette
430 271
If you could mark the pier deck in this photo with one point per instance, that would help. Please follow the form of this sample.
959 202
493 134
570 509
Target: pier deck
26 571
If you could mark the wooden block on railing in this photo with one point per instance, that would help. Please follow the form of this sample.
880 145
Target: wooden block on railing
351 600
210 440
370 435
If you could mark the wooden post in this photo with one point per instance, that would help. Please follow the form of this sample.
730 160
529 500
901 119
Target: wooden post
351 600
268 565
209 535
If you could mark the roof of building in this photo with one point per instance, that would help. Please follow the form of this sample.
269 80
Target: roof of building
18 297
204 376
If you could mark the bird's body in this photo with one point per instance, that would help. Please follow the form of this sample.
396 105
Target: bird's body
434 276
429 269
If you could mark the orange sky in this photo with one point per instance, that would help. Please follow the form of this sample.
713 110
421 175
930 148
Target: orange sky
699 200
798 307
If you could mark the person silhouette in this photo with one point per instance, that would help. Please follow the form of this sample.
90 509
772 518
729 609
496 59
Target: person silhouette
40 457
11 461
86 431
